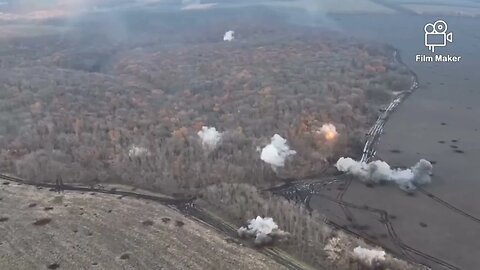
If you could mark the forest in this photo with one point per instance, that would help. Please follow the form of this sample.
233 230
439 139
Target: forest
121 99
73 106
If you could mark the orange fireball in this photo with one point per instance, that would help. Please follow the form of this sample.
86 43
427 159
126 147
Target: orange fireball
329 131
330 135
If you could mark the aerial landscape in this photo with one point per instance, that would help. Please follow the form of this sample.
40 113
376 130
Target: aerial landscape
294 134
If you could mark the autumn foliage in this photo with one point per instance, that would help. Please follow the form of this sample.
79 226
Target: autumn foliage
74 104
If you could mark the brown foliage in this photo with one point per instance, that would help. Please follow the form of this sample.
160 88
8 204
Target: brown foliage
76 111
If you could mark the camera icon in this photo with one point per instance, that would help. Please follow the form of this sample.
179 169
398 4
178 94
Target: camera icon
436 35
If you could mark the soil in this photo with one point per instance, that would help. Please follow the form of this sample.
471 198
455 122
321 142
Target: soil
85 231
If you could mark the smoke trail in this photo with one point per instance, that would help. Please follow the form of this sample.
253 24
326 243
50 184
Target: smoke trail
263 229
377 171
276 152
210 137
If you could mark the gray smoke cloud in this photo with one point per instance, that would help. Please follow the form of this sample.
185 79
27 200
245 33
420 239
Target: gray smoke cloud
378 171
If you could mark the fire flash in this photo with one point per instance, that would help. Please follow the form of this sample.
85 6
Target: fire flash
329 131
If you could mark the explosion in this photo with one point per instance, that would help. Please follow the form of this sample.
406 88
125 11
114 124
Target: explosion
276 152
210 137
369 256
228 36
329 131
263 229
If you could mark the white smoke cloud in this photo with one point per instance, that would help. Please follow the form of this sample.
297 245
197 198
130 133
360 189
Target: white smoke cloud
263 229
228 36
369 256
377 171
276 152
210 137
422 172
137 151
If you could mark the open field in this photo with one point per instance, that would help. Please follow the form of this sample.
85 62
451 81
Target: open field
434 7
41 228
332 6
438 225
443 10
12 31
463 3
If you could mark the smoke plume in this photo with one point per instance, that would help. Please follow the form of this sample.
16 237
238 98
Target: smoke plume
276 152
369 256
263 229
210 137
228 36
378 171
